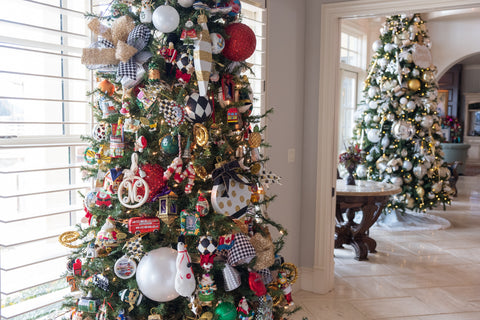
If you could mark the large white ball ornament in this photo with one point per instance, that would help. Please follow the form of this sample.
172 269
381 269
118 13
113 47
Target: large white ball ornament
156 274
403 101
373 135
186 3
373 104
377 45
165 19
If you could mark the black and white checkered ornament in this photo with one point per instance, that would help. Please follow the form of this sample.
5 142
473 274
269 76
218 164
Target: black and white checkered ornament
134 248
172 112
242 251
185 63
207 245
198 108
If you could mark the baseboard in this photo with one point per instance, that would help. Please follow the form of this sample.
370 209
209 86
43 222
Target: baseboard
316 280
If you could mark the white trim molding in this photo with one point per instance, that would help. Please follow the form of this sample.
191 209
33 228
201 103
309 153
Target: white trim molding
320 278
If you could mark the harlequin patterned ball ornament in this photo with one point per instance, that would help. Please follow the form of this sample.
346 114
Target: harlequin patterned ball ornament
241 42
207 245
154 178
197 108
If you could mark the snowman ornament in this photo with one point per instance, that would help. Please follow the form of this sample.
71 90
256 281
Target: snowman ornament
184 279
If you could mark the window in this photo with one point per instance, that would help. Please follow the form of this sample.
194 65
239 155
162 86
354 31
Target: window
352 71
43 112
255 17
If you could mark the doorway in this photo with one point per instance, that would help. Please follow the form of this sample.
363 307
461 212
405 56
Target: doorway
328 105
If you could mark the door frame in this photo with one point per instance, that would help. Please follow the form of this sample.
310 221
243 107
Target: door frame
321 278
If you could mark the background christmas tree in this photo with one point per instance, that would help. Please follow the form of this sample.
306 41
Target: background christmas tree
176 226
397 124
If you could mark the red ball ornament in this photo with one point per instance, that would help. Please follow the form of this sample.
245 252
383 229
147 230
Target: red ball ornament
154 178
240 42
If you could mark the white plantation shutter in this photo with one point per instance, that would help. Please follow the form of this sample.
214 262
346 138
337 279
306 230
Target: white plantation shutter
43 112
254 15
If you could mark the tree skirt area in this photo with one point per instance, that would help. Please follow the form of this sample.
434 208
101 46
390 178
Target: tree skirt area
410 221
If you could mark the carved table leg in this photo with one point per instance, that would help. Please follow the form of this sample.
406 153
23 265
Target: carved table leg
361 240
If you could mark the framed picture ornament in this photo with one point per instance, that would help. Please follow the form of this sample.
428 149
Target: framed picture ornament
189 223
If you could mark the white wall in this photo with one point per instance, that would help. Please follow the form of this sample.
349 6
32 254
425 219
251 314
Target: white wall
285 94
453 40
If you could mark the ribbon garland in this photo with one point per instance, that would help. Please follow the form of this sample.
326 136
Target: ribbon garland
223 174
137 38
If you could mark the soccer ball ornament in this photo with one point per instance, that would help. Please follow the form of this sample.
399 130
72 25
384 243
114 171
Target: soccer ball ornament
207 245
241 42
218 43
197 108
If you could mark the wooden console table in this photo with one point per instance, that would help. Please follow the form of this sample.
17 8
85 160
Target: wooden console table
368 196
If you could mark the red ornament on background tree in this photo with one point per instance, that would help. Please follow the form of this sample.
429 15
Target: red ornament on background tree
240 42
154 179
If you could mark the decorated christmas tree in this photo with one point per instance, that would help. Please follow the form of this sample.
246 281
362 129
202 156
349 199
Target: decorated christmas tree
176 226
397 125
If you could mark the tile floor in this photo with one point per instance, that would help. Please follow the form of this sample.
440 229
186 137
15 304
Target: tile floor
415 275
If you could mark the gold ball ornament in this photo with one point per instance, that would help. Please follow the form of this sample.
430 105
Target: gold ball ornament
420 191
254 140
201 134
414 84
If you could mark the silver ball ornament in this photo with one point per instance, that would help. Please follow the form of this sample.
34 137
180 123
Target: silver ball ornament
377 45
420 171
373 104
361 171
407 165
373 135
398 181
411 106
